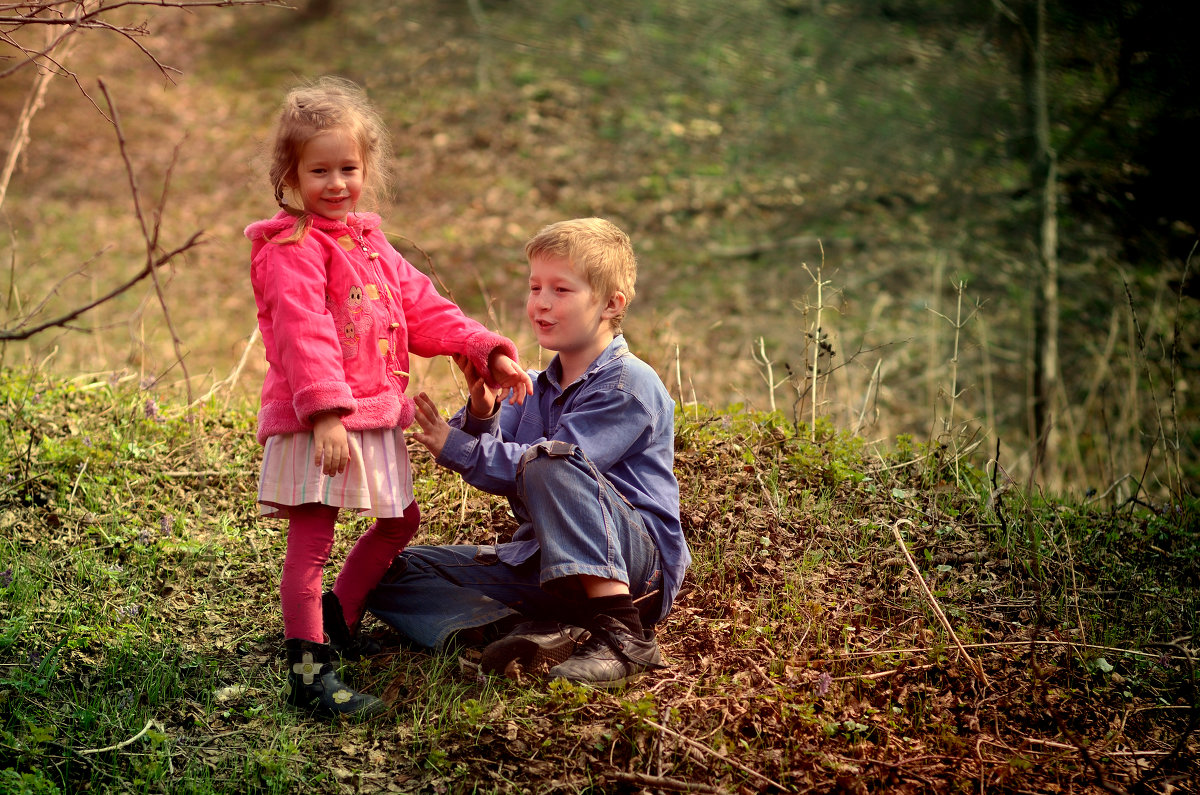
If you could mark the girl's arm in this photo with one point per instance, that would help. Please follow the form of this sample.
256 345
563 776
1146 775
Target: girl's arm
289 283
438 327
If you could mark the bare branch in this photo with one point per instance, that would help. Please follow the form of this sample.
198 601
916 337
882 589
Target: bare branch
149 235
62 320
86 18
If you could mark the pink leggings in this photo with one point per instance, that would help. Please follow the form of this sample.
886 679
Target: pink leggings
309 542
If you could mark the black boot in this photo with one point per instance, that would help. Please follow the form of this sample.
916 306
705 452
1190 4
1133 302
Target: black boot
313 684
344 643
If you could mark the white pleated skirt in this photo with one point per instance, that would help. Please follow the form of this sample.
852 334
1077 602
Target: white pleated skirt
377 482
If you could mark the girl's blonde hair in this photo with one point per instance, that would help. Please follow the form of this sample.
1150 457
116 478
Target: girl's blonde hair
597 250
327 103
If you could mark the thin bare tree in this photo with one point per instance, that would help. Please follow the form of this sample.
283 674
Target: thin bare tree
40 36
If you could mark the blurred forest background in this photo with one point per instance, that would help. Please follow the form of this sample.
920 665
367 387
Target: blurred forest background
971 221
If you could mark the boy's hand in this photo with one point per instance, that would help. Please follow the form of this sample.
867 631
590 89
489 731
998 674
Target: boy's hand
509 375
332 446
483 397
434 430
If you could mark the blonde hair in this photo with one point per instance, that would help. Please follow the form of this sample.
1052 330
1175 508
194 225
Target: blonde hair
328 103
597 250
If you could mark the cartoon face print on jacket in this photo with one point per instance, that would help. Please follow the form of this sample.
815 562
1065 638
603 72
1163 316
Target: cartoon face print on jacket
354 302
352 318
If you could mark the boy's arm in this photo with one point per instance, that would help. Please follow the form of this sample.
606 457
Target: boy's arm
606 425
508 374
484 400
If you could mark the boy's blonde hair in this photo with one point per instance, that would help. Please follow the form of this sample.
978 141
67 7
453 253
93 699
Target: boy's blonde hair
328 103
597 250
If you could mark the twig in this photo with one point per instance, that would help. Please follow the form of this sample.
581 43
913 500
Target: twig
1109 490
233 377
816 341
881 674
760 357
1174 379
149 234
33 103
64 319
150 724
1188 679
1068 747
872 382
854 655
975 666
713 752
661 782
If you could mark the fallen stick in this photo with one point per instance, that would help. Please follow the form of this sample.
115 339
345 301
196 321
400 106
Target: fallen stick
662 782
150 724
975 665
713 752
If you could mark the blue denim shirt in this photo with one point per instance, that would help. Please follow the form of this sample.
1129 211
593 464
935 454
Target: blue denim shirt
622 418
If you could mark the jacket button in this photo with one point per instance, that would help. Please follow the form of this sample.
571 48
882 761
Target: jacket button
399 373
394 325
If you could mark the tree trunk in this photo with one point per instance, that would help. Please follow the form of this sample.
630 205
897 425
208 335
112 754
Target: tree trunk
1044 174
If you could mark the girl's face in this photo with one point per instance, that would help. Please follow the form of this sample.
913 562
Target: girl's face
330 175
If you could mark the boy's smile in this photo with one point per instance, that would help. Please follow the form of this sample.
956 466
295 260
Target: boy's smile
330 175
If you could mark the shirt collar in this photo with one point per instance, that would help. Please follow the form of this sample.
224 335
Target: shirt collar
553 372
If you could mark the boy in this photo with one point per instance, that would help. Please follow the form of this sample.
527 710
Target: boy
587 465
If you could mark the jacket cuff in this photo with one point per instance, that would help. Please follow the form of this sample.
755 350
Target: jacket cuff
323 396
457 450
480 347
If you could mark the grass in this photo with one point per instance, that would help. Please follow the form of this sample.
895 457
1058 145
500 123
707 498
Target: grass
140 649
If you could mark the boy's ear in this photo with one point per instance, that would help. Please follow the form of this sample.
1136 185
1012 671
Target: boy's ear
616 305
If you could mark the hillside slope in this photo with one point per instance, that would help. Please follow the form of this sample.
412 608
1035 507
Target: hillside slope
141 641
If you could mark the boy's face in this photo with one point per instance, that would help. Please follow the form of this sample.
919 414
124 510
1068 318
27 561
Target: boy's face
566 314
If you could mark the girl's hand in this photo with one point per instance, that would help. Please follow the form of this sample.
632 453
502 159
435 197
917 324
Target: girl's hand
332 451
509 375
483 397
434 430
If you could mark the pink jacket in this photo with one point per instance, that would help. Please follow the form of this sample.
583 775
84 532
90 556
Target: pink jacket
339 313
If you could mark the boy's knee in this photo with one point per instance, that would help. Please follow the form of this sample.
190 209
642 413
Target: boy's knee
544 457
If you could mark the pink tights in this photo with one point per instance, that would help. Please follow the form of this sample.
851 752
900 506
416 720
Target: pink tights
309 542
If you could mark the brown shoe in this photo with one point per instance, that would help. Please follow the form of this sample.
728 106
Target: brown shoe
532 647
611 657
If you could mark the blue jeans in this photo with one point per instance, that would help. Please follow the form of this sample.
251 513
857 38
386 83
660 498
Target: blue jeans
573 521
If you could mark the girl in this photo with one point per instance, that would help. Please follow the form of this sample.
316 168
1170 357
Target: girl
340 310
